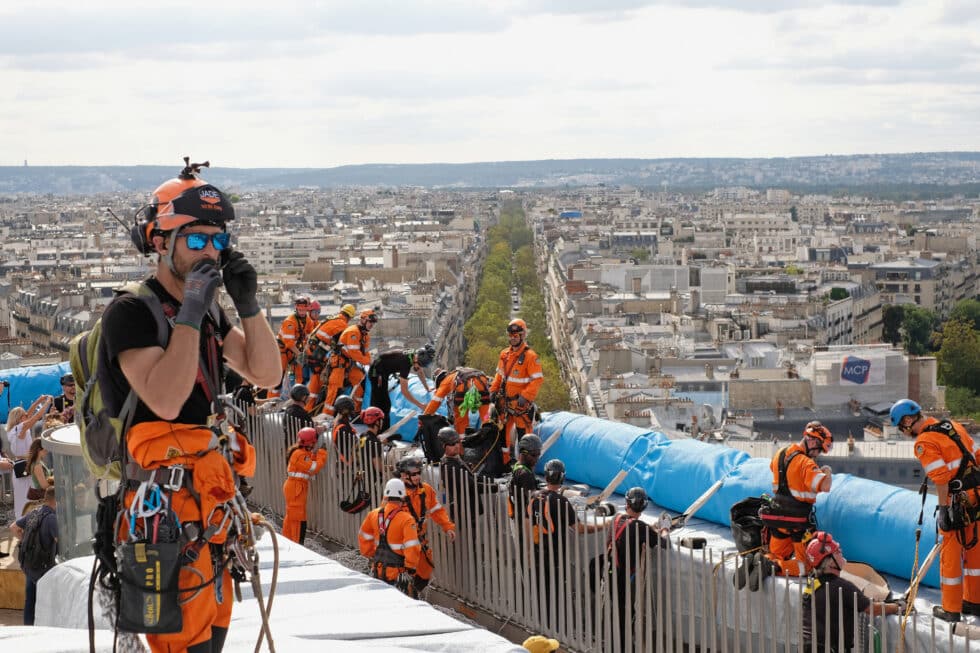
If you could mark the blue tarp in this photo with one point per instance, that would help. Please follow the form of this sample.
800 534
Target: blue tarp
874 522
28 383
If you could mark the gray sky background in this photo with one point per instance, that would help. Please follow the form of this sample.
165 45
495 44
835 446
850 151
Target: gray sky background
306 84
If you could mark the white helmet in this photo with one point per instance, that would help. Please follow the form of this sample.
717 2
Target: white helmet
395 489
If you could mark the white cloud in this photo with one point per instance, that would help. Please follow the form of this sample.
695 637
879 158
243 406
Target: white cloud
259 84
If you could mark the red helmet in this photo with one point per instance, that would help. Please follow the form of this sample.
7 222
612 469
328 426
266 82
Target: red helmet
821 546
818 436
314 306
372 415
306 436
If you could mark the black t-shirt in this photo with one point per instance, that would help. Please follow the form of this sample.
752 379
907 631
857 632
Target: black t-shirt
393 361
463 488
843 601
523 483
127 324
61 402
629 537
551 515
294 418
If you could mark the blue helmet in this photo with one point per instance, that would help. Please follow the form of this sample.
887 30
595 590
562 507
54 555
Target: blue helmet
903 408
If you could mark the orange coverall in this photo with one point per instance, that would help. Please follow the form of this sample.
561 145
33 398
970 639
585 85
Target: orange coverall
959 567
325 332
303 465
434 511
354 346
517 379
803 476
158 445
446 388
393 520
292 333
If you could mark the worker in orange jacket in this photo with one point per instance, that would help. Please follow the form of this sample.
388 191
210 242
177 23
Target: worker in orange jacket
170 434
321 344
303 463
949 458
422 502
390 540
452 387
516 384
796 481
292 339
355 342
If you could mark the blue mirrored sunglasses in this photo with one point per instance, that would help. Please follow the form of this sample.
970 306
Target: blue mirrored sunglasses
198 241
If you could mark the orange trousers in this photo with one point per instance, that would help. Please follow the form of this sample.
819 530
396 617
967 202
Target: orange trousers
959 570
424 569
788 555
295 491
288 362
336 382
316 382
514 428
460 423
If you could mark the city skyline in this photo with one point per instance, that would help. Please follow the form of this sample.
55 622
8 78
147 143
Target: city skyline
249 85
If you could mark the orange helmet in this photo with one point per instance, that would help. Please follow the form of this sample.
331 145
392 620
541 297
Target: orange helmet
517 326
369 315
183 200
818 436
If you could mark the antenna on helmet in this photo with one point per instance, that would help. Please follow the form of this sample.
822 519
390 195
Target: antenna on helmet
192 169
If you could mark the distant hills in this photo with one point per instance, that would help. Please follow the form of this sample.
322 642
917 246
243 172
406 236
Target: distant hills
909 175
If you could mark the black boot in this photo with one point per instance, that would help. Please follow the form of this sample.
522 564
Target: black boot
939 613
743 571
419 584
762 570
969 607
218 635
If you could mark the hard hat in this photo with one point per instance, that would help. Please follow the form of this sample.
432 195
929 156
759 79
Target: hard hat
447 436
302 300
348 310
820 434
408 466
517 325
344 404
529 444
820 547
306 435
439 375
299 392
315 306
369 315
394 489
554 471
425 355
540 644
372 415
636 498
903 408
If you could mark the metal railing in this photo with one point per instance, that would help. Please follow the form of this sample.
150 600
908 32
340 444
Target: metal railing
569 585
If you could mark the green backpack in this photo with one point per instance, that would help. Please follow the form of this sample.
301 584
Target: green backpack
101 432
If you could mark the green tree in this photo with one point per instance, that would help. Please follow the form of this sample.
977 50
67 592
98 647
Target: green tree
917 327
959 356
967 310
794 214
891 317
641 254
962 403
837 294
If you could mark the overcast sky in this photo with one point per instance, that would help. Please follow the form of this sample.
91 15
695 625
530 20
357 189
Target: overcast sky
305 84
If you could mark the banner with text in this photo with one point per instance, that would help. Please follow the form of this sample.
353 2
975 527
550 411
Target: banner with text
862 370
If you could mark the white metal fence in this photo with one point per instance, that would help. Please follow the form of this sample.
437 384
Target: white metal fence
679 599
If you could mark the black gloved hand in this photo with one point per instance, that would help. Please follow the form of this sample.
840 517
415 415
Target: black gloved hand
199 287
241 282
522 402
943 519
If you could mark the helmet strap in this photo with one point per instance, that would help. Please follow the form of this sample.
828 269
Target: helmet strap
168 258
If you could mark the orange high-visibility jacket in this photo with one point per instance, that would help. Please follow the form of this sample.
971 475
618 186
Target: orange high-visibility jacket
294 329
304 464
519 372
938 453
402 535
326 331
433 509
354 345
803 476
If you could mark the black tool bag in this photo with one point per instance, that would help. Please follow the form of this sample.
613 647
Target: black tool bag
746 523
359 498
149 575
